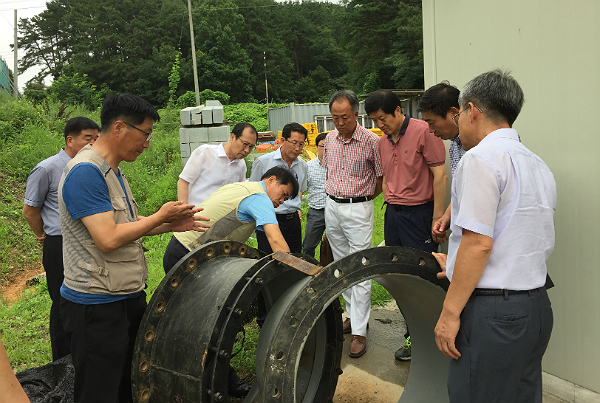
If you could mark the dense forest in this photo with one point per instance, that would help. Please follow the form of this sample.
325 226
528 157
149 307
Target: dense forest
307 50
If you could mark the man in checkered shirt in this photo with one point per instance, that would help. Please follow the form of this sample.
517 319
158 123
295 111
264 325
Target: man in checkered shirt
354 177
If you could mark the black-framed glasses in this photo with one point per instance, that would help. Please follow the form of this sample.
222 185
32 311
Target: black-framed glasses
455 117
247 145
295 144
148 135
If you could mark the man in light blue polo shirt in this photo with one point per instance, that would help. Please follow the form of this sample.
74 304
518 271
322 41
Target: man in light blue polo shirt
288 214
40 209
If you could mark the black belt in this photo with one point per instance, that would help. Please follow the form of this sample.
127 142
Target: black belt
490 292
401 207
351 199
288 216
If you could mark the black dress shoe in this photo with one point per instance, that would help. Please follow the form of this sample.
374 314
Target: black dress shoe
240 389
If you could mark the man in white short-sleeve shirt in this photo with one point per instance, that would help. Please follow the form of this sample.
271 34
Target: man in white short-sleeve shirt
212 166
496 319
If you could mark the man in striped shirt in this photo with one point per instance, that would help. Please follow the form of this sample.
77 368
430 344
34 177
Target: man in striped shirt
354 176
315 218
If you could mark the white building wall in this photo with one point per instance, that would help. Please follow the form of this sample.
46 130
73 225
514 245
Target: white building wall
553 50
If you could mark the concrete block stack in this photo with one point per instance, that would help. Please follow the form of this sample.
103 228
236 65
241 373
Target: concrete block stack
204 124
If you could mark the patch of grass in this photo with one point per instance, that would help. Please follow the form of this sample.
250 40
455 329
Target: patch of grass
18 245
245 351
24 328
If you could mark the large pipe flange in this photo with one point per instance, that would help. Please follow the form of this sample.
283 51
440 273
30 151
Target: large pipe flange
408 274
184 344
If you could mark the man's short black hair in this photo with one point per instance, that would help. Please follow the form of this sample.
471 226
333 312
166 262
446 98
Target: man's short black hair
75 126
439 99
126 106
320 137
284 177
385 100
239 128
293 127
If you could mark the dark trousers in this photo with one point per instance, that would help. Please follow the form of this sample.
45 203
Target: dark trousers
409 226
501 340
53 265
291 228
102 341
313 232
173 254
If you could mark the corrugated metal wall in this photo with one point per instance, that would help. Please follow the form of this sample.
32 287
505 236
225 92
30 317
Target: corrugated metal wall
307 113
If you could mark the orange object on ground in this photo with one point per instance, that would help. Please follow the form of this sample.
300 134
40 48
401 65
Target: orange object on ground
263 147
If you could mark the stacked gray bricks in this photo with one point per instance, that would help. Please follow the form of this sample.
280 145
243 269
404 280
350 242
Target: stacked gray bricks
202 124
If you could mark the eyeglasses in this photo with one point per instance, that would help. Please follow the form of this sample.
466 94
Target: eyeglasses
148 135
295 144
455 117
247 145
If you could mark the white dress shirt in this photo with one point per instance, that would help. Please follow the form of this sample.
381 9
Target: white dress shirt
504 191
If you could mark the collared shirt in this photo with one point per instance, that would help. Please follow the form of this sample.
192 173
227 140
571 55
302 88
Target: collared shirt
316 184
455 151
354 165
298 168
406 163
504 191
42 190
208 169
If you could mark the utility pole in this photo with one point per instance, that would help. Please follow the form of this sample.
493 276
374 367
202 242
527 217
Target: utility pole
266 86
193 54
16 64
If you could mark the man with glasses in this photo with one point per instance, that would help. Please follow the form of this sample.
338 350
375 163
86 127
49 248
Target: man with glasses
105 270
212 166
354 177
293 138
496 319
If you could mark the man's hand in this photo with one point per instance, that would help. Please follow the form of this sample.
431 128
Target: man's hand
445 334
439 227
175 211
41 238
191 223
441 259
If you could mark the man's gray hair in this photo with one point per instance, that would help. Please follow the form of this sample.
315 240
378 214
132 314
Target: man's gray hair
349 95
496 93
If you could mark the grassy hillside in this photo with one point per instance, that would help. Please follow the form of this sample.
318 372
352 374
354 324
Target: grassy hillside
27 136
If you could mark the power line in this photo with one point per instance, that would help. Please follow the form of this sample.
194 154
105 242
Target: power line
22 8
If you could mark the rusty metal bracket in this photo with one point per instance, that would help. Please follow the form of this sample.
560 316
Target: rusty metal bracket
297 263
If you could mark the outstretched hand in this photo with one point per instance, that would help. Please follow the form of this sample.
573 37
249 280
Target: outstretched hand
441 259
194 223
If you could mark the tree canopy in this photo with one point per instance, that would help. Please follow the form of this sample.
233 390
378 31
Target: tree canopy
307 49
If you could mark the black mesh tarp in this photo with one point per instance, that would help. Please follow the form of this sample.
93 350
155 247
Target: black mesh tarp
52 383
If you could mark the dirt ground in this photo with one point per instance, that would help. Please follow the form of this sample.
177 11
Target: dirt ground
14 284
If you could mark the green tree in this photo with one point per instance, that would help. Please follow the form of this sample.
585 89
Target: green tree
35 92
385 38
75 90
